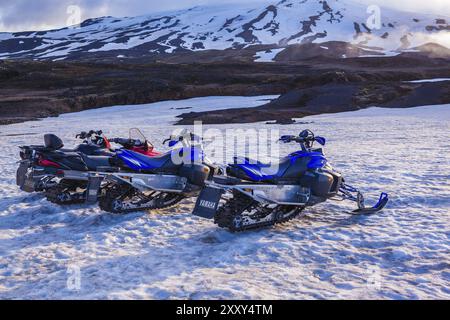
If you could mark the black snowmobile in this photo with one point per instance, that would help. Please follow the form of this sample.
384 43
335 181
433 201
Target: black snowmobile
36 170
254 195
64 174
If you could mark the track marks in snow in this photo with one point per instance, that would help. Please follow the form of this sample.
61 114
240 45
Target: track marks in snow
171 254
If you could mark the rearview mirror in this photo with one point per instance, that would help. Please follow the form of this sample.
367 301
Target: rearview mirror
321 140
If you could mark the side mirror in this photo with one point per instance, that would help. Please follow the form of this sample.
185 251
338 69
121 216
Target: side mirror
321 140
304 134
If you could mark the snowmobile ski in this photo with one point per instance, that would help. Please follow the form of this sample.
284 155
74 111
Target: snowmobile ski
381 204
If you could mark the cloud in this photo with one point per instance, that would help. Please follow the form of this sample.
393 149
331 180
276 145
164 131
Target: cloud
429 6
31 15
19 15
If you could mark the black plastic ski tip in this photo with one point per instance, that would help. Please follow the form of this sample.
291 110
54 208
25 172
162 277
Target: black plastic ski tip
381 204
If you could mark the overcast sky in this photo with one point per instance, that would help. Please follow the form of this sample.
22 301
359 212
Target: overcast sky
19 15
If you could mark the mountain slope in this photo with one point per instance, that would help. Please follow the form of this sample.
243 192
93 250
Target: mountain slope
274 23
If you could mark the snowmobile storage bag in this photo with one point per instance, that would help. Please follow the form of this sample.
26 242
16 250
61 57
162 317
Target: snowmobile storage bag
196 173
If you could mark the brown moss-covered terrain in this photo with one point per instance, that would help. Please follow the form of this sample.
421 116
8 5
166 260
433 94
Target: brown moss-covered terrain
308 85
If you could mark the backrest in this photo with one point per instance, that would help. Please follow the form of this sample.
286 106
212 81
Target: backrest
53 142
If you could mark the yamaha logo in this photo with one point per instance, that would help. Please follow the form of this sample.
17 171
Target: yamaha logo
207 204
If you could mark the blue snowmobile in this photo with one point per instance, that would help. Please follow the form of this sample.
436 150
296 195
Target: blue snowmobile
254 195
147 183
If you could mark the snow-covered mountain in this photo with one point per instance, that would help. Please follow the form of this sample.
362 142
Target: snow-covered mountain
276 23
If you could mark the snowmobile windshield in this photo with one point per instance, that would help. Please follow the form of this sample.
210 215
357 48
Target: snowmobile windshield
137 135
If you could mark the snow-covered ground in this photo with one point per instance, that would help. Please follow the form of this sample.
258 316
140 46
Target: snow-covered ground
430 80
401 253
267 55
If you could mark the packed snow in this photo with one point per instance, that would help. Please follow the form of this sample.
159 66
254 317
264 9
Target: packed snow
400 253
267 55
430 80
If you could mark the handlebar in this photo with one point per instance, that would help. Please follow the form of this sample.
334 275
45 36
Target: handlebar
306 137
123 141
289 139
167 140
127 143
96 137
85 135
183 137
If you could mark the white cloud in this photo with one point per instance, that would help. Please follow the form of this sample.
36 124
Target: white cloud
429 6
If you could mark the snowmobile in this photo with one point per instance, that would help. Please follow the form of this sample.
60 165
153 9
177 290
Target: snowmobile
34 170
157 182
254 195
63 174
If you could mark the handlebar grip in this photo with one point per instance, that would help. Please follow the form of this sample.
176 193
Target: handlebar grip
116 140
81 135
287 139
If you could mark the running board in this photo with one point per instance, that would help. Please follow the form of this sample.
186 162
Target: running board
291 195
155 182
76 175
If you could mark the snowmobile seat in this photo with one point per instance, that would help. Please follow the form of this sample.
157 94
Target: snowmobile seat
243 160
90 150
163 161
257 171
61 154
95 162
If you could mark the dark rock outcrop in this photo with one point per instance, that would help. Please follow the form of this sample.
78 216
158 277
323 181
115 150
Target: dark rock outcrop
317 84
